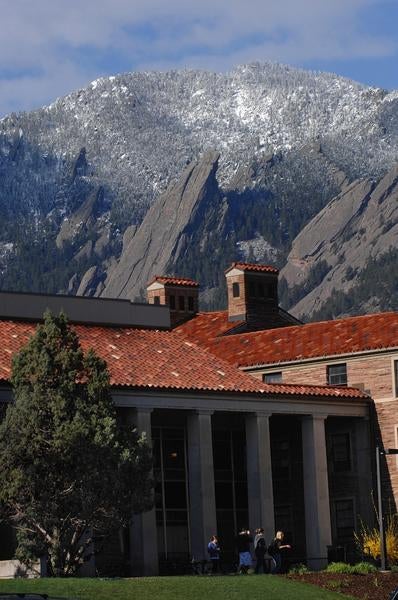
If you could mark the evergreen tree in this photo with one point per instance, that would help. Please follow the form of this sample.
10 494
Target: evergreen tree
67 469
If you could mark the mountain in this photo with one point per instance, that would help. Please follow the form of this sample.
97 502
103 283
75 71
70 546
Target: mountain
78 179
345 258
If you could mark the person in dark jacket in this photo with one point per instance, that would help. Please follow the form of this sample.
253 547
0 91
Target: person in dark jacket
274 550
243 541
214 553
260 552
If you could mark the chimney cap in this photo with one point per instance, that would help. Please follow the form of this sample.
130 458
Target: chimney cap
179 281
252 267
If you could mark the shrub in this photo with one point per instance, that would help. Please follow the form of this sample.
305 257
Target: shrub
363 568
368 540
339 567
299 569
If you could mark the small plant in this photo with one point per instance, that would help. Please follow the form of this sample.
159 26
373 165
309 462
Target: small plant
339 567
394 569
363 568
299 569
335 585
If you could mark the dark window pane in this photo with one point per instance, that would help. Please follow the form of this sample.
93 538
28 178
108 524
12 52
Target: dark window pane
345 519
281 459
260 290
175 494
341 452
156 300
156 453
174 454
239 450
181 302
235 290
222 455
252 289
242 519
158 495
172 302
241 495
176 516
190 303
274 377
337 374
172 434
224 498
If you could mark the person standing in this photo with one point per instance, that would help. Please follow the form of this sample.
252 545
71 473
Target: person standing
260 551
274 550
243 541
259 534
213 549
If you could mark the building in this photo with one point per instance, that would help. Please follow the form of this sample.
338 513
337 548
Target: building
231 448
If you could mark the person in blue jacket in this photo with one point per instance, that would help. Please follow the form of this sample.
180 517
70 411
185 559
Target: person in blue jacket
213 549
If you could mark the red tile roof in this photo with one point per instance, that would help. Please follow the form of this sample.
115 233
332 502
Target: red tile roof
287 344
253 267
153 359
204 327
174 281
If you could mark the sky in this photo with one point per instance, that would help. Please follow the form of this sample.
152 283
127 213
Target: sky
49 48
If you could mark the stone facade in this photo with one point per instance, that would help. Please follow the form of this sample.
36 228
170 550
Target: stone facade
374 373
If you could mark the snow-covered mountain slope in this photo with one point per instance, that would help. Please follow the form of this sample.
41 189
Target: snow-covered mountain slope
287 139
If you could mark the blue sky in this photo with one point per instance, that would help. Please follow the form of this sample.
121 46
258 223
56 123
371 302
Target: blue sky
51 47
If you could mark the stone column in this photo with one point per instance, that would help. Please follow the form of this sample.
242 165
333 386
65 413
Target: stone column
363 468
259 474
316 491
202 500
143 531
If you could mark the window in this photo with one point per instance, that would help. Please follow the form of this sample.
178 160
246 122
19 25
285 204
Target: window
172 302
190 304
235 290
344 519
340 452
275 377
260 290
281 459
156 300
337 374
252 289
181 302
396 377
271 290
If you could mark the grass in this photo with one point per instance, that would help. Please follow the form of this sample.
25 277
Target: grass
173 588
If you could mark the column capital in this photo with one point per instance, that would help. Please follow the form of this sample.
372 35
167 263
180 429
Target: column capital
202 411
261 413
315 417
145 410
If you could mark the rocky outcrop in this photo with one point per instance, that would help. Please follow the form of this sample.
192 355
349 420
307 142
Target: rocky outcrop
91 283
82 220
359 225
163 232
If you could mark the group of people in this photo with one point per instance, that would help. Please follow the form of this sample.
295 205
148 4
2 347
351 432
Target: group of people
268 558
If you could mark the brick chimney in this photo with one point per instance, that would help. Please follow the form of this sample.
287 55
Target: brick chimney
180 294
252 293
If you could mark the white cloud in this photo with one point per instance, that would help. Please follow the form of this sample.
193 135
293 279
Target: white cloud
49 47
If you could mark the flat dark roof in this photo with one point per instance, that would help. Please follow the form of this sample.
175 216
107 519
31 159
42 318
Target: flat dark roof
80 309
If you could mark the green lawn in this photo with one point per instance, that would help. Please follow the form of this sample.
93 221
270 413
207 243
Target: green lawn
233 587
